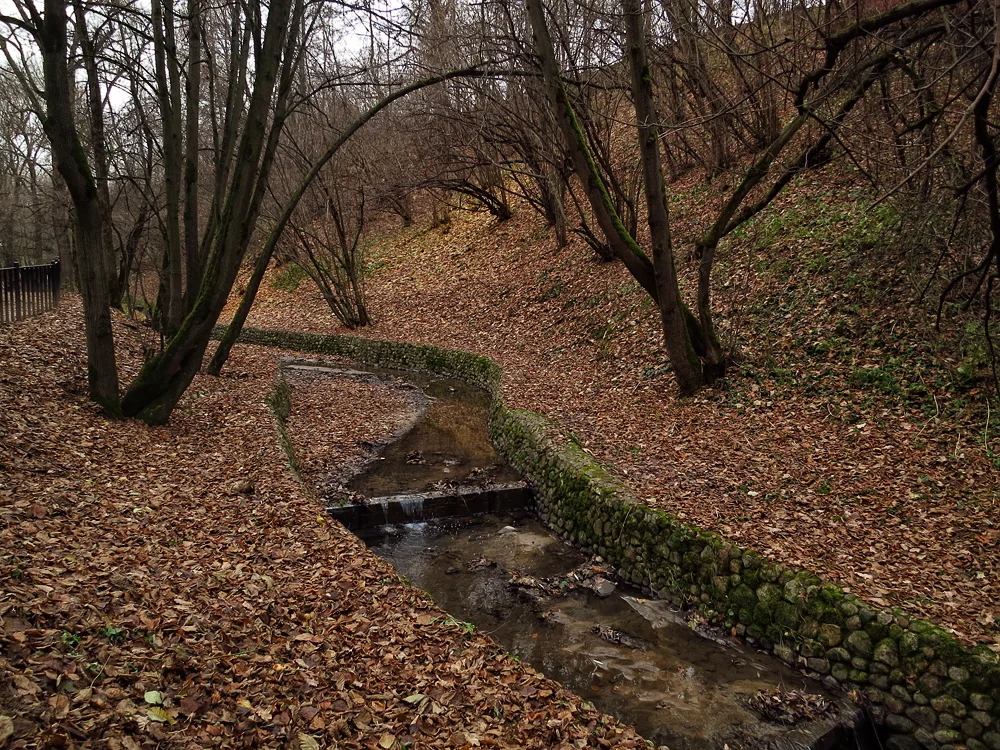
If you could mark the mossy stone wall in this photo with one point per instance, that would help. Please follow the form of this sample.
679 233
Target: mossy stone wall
924 687
281 405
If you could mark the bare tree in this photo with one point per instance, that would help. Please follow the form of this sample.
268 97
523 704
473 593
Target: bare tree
827 85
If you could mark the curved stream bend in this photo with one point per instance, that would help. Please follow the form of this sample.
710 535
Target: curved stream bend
635 658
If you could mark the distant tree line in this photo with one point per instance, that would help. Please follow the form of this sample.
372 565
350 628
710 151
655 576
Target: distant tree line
166 147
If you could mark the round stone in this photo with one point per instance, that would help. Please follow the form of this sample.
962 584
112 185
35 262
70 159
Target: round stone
859 644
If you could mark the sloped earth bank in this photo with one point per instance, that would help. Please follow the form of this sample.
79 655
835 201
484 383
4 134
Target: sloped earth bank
176 587
791 456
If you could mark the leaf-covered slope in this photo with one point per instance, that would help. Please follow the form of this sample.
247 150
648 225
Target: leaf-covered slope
850 439
177 587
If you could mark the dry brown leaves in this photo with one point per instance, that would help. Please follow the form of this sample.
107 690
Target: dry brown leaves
150 599
898 506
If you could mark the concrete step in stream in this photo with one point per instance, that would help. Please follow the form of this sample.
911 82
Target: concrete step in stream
425 506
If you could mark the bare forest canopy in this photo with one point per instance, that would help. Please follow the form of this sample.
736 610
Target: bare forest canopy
160 147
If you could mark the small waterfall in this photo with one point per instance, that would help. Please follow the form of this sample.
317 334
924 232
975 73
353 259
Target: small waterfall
413 508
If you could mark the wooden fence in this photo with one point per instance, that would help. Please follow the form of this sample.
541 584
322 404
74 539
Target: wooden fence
28 290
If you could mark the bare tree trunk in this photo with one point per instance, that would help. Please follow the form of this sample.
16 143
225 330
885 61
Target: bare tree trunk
683 357
657 276
163 379
558 206
168 89
192 248
96 111
91 255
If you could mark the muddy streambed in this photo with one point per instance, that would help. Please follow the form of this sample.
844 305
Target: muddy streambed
445 445
637 659
547 603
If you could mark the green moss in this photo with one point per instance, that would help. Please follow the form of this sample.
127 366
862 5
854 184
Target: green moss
742 597
951 651
786 615
280 403
770 572
774 633
751 578
769 594
877 631
763 614
288 277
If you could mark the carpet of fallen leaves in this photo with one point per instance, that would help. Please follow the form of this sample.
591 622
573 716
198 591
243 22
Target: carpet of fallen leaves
326 415
177 587
798 454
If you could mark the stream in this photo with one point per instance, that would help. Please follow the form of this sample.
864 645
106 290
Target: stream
436 509
637 659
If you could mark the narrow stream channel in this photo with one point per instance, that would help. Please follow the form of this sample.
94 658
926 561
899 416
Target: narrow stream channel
549 604
634 658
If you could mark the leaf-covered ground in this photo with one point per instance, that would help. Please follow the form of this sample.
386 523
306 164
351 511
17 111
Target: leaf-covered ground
852 438
176 587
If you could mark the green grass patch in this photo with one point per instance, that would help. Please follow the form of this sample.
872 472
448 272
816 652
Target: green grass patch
288 277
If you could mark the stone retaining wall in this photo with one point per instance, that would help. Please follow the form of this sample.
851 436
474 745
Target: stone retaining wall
281 405
925 688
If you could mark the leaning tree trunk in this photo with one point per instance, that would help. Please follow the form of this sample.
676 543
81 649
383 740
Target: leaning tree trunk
681 330
687 365
235 327
102 370
164 378
192 249
170 302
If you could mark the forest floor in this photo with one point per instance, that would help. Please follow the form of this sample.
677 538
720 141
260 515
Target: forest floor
177 587
851 438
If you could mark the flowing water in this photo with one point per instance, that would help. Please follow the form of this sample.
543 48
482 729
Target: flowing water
448 446
546 603
635 658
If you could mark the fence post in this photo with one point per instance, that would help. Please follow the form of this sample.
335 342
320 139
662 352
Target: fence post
17 291
56 282
32 291
29 292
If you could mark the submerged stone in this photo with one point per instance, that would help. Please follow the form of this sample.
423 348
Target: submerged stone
604 588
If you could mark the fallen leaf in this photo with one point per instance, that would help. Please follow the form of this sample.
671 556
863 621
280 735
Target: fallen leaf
6 728
160 714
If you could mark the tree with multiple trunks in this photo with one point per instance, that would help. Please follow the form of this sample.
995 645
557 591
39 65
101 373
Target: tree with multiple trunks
211 90
250 57
827 85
